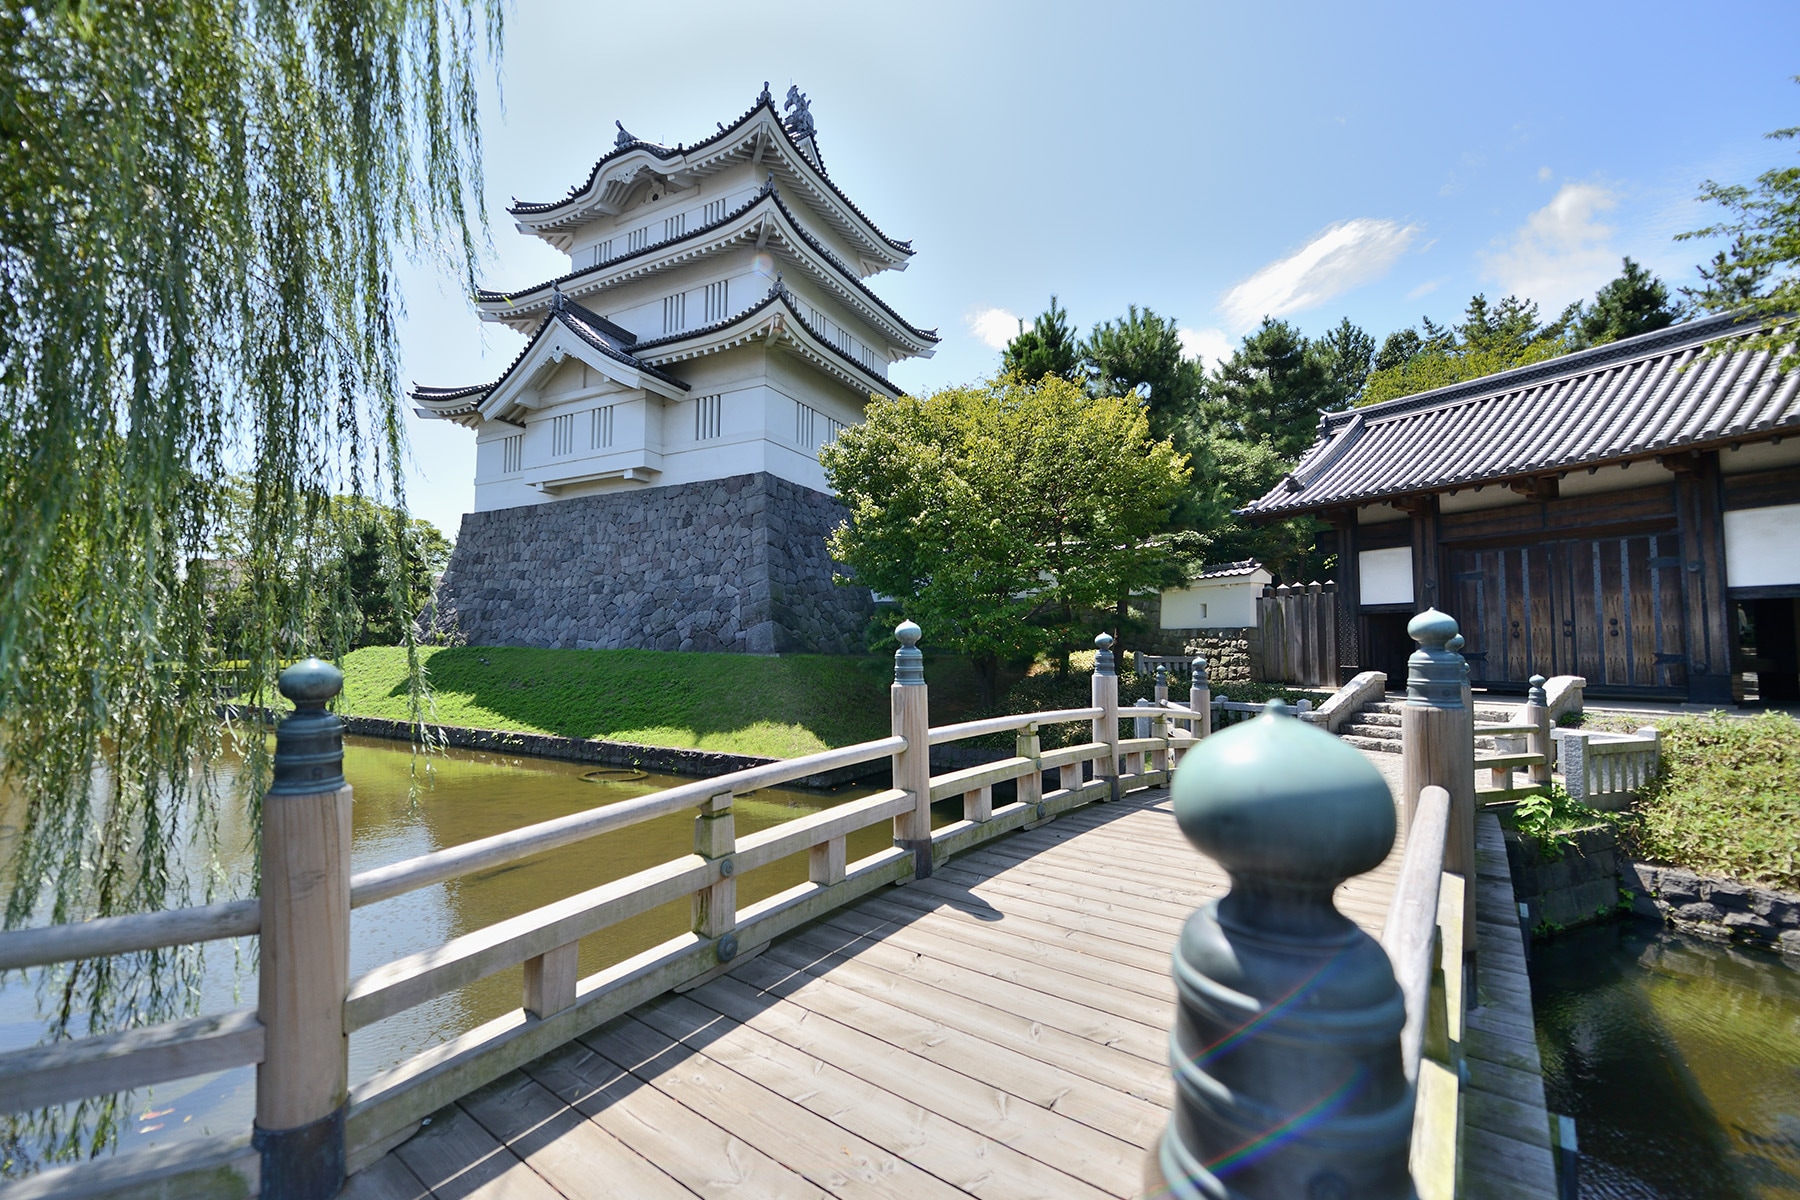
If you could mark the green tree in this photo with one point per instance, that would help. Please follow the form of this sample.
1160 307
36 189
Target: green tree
1489 339
1005 517
1271 389
200 210
1048 347
1760 272
1349 354
1140 354
1636 302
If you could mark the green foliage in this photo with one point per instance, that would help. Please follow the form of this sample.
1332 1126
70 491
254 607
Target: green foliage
1049 347
1004 517
1140 354
1549 818
1272 389
1636 302
1727 801
1760 273
1490 339
1349 354
200 208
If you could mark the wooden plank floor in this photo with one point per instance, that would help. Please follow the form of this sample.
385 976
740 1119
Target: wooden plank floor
998 1030
1506 1130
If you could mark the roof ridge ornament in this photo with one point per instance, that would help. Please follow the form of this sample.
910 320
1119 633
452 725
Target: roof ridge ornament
767 97
778 288
625 137
799 121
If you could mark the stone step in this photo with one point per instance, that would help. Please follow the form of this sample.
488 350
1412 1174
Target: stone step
1379 745
1366 717
1377 733
1393 708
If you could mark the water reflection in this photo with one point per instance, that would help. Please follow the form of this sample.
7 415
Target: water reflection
467 795
1679 1059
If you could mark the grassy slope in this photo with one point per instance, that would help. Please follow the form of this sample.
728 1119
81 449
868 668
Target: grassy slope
778 707
1728 800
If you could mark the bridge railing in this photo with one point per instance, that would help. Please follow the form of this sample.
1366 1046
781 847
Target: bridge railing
1608 770
313 1127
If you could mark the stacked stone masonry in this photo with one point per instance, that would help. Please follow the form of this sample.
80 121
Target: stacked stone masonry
736 564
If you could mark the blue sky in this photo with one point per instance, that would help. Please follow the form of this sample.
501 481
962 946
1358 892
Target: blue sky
1215 162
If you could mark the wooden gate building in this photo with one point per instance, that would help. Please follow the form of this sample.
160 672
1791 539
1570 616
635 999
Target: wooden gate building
1629 513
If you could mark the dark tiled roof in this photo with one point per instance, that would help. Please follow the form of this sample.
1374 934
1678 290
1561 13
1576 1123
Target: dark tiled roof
1248 566
592 328
523 208
1650 394
767 191
776 294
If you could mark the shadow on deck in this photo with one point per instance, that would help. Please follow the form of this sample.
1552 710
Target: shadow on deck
999 1029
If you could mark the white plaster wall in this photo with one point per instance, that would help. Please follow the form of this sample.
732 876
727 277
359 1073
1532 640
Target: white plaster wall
758 391
1762 546
1470 500
1759 456
1225 605
1385 576
1379 514
1613 479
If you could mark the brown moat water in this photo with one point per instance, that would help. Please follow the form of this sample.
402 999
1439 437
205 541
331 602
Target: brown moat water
1679 1059
468 795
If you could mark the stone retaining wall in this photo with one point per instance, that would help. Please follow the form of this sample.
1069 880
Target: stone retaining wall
1719 907
1232 655
1584 883
734 564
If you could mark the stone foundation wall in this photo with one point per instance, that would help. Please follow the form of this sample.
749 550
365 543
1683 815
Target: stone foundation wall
1232 655
1719 907
734 564
1594 881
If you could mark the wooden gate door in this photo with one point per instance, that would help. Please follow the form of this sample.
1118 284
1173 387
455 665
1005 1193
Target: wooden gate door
1608 609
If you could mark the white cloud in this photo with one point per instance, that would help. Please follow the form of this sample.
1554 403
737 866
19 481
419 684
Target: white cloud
994 327
1210 346
1562 252
1340 257
1425 289
1544 174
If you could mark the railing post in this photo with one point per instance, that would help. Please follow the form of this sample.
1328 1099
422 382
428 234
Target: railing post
1162 759
1200 697
715 905
1140 728
1106 725
912 762
1289 1079
1537 712
1571 753
1031 785
1437 733
302 1084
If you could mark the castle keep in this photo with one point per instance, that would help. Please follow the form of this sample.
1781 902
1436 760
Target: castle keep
647 469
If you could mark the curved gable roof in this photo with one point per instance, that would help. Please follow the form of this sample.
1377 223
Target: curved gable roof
577 207
1650 394
769 196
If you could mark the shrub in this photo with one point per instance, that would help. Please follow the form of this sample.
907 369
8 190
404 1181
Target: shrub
1727 800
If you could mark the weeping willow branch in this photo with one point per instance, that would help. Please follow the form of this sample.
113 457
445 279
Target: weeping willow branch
200 208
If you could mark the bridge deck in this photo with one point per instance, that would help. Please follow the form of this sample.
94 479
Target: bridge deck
998 1030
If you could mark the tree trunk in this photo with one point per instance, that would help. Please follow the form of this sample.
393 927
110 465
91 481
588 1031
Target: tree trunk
987 680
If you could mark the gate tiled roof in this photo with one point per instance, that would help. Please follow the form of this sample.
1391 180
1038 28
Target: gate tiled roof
1656 393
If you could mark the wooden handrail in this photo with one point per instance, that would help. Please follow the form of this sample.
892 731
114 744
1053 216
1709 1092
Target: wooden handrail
103 936
383 883
1409 935
39 1076
986 725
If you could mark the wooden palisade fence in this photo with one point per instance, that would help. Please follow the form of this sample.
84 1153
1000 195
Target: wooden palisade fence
1298 623
313 1126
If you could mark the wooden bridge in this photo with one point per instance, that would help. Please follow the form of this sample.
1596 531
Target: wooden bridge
999 1026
